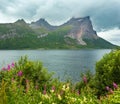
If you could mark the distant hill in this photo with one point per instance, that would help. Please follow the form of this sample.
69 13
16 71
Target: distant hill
74 34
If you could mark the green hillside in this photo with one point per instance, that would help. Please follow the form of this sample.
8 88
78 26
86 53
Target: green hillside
20 35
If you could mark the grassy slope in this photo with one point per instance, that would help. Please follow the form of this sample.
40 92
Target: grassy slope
99 43
26 38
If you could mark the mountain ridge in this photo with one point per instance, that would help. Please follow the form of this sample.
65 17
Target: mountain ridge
76 33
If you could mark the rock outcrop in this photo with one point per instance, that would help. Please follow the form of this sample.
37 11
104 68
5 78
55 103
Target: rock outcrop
82 29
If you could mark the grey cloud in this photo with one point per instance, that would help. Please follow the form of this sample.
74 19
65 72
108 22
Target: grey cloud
104 14
112 35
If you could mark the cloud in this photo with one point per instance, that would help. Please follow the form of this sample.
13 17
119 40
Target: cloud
112 35
102 12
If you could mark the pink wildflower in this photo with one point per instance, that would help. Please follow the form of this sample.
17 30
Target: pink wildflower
85 79
8 67
3 68
53 88
20 73
111 91
78 92
27 81
115 85
44 92
13 64
107 88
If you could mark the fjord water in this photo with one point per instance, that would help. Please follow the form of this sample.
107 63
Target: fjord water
67 64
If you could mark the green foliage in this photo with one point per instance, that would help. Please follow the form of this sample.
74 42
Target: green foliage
108 71
98 43
88 75
28 39
32 71
112 98
3 97
55 39
28 82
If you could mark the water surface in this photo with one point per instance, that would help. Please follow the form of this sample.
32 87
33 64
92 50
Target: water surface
63 62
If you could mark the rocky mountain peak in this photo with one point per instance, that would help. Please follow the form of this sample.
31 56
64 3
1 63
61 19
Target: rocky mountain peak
42 23
82 29
20 21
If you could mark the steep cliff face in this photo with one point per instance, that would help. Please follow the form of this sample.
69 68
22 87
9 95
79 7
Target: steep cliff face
82 29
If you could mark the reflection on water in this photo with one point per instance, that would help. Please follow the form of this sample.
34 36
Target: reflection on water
63 62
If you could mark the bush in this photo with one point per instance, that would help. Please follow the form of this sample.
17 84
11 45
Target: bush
112 98
107 71
26 70
28 82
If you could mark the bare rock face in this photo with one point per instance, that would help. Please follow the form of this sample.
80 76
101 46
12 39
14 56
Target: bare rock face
82 29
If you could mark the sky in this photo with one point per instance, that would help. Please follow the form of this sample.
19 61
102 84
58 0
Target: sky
104 14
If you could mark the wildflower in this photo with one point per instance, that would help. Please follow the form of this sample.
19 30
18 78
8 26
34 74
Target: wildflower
85 79
53 89
20 73
27 81
115 85
107 88
13 64
8 67
44 92
3 68
78 92
111 91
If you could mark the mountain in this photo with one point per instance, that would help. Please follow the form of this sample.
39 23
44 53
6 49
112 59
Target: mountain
42 23
11 30
82 29
74 34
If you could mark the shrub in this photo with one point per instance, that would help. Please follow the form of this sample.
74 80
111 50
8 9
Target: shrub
112 98
28 82
26 70
107 71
